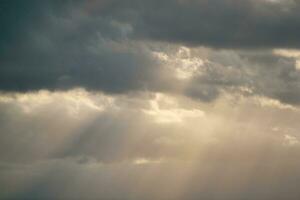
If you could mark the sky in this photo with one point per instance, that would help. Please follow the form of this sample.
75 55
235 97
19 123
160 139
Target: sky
150 99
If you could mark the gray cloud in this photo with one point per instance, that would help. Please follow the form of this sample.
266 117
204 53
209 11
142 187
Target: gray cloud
134 99
228 23
101 45
261 73
66 48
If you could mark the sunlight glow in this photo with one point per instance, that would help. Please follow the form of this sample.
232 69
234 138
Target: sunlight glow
171 114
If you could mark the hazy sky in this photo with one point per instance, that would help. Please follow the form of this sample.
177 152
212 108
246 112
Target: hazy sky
150 99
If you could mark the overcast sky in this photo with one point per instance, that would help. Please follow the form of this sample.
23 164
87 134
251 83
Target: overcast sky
150 99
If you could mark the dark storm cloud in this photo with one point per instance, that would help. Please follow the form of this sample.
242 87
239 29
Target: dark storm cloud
216 23
56 45
275 77
100 45
262 73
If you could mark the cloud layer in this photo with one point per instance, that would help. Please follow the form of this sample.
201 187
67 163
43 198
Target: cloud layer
135 99
53 145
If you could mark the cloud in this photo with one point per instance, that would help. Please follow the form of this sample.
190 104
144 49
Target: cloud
77 144
68 180
35 127
225 24
67 48
106 46
207 74
135 99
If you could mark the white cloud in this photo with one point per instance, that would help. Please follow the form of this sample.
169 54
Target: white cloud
172 113
182 62
290 140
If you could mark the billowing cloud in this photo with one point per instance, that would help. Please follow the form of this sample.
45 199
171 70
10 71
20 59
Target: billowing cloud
68 48
135 99
54 144
101 46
